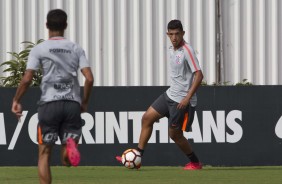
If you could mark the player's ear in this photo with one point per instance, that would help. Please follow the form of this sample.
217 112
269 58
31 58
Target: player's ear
66 25
183 33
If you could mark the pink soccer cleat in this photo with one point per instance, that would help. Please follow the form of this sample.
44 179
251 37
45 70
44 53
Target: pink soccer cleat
193 166
72 152
119 159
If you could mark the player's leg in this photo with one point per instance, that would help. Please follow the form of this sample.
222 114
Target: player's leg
181 120
177 136
156 111
70 154
47 135
64 156
44 156
148 120
70 133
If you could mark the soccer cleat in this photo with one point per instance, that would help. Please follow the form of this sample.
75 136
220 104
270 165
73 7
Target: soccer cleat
72 152
119 159
193 166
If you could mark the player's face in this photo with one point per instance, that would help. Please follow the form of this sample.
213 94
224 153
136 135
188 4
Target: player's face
175 36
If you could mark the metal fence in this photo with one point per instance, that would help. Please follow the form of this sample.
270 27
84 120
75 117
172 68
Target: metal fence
126 42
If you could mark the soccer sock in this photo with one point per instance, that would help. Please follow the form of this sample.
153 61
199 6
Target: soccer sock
141 151
193 158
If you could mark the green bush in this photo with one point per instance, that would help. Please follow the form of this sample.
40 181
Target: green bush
17 66
244 82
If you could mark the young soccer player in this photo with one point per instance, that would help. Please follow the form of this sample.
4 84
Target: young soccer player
179 101
60 105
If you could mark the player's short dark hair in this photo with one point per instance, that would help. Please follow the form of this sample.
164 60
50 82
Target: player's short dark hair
175 24
57 20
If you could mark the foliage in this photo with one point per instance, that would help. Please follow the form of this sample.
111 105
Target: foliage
243 83
17 66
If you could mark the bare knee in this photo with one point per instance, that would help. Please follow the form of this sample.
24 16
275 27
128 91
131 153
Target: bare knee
45 152
147 120
149 117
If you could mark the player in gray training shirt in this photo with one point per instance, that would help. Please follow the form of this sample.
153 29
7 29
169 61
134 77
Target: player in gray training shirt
179 101
59 80
60 105
183 65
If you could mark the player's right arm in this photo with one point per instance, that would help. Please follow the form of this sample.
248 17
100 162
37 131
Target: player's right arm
32 65
24 84
88 84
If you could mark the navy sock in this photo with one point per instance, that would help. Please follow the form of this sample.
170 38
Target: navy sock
193 158
141 151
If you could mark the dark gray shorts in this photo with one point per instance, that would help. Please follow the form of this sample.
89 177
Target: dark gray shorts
59 119
177 118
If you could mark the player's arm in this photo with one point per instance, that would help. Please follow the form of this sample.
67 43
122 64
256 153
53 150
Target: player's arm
88 84
198 77
24 84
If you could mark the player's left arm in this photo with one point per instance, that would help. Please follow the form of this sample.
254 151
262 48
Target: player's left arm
198 77
24 84
193 63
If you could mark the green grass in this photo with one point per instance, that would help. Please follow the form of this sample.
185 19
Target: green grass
154 175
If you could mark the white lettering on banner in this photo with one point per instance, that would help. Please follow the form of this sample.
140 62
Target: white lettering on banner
278 128
86 134
32 128
3 140
234 126
111 128
100 127
217 127
17 131
136 118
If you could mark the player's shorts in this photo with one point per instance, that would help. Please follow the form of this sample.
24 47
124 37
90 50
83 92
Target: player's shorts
59 119
177 118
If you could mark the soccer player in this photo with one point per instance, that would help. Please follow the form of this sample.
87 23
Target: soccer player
60 104
179 101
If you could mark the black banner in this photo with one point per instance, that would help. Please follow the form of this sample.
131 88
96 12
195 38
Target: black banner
233 126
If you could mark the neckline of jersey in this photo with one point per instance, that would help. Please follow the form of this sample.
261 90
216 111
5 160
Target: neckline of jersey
57 38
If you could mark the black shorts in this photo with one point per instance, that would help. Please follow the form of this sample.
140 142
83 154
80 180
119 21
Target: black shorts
59 119
177 118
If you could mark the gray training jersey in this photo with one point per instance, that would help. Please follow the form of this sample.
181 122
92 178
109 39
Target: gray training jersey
183 63
60 60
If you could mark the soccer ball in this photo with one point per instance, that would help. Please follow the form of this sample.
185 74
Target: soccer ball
131 159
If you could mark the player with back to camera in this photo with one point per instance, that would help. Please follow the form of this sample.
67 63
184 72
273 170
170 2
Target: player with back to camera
60 104
179 101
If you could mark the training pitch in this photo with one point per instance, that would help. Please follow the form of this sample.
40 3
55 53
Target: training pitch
147 174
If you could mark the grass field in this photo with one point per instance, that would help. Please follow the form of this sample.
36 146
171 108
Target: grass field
154 175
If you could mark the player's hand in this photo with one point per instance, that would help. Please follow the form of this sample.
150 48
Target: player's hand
183 104
17 109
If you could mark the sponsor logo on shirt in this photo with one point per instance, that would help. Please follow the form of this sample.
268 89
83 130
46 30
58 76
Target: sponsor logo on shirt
58 50
63 97
63 86
177 59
